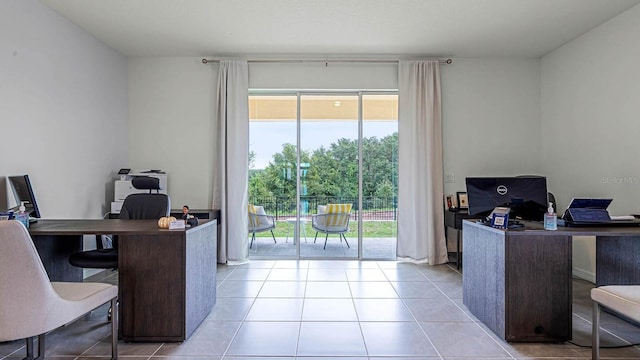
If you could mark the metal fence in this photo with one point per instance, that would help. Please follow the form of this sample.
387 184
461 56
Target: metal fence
373 208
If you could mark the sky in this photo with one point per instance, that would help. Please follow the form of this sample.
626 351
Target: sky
266 138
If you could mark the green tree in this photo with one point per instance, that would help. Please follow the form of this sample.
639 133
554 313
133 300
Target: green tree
333 171
252 159
280 175
384 190
345 154
323 174
379 164
258 189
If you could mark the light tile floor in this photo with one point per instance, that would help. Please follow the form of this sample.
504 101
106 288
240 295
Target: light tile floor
337 309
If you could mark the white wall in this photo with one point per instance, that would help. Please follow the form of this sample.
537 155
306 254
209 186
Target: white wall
329 76
590 118
490 118
63 110
170 124
483 100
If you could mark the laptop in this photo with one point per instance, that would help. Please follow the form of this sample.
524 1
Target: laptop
588 211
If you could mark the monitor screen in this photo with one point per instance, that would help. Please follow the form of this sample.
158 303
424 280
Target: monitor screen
23 192
526 196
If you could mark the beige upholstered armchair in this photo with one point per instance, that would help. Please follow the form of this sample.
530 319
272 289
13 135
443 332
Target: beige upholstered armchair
31 304
332 219
622 299
259 221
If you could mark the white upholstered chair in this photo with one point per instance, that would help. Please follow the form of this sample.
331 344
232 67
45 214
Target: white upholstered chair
259 221
31 305
332 219
622 299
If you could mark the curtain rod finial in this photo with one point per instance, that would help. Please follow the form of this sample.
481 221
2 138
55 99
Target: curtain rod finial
204 61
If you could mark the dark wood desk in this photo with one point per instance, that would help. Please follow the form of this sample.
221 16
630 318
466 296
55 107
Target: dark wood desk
519 282
206 214
166 278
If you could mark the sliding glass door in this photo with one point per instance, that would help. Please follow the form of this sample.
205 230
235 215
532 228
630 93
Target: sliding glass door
323 167
273 124
329 194
379 175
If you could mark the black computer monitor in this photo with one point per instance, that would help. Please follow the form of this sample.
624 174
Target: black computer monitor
525 195
23 192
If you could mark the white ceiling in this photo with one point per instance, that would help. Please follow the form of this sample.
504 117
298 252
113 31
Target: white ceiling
338 28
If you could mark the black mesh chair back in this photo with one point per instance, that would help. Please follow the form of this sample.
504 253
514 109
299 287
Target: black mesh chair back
147 206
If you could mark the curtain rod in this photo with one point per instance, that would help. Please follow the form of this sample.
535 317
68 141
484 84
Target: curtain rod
326 61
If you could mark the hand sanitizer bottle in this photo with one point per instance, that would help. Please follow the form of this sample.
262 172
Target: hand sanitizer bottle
22 215
550 219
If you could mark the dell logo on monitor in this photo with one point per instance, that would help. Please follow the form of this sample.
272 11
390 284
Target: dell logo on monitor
502 190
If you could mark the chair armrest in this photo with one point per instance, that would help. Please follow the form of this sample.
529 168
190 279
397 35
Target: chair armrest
319 221
268 218
263 221
329 214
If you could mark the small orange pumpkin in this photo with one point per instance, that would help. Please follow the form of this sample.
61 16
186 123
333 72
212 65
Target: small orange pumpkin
164 221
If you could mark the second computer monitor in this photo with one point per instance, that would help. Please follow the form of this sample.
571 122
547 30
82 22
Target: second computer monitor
525 195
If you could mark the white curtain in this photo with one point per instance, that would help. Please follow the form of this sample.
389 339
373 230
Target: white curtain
230 183
420 179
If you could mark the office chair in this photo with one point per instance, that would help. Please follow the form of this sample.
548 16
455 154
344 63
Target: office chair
141 206
31 304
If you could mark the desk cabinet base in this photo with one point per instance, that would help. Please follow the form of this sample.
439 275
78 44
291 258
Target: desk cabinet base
167 283
518 285
166 278
54 252
617 259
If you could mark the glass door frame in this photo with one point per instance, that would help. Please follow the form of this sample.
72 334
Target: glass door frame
299 94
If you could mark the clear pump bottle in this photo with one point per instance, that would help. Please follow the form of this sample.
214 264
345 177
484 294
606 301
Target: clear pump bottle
23 215
550 219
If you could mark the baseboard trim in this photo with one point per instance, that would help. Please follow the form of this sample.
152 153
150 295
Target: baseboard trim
584 274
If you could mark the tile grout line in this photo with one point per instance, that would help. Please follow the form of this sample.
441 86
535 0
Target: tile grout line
90 347
155 352
416 320
355 310
235 334
606 331
469 316
304 297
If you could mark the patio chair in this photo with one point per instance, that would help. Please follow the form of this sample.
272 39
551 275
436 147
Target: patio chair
332 219
259 221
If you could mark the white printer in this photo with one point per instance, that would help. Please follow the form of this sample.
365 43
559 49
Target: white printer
123 187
